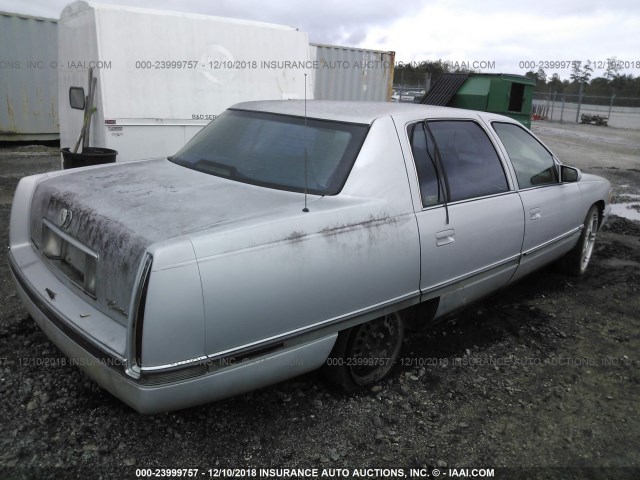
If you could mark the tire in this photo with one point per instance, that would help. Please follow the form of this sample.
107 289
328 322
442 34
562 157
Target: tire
366 353
577 260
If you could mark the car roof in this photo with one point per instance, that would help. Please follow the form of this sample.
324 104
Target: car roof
359 112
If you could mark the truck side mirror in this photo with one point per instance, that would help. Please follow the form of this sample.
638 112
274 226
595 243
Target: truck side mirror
76 97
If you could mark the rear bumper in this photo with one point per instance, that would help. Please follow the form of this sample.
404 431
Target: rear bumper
108 368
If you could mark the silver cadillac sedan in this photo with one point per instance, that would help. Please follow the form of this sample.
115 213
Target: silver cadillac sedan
288 236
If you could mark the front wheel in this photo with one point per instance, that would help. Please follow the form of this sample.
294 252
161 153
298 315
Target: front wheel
366 353
577 260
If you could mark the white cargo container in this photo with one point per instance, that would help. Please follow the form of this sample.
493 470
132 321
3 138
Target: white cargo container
163 75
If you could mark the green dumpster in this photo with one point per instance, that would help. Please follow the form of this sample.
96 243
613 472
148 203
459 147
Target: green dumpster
505 94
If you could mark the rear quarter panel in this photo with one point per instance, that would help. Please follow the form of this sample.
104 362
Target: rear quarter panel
351 254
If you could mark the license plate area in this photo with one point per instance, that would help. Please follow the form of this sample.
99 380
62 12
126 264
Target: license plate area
74 260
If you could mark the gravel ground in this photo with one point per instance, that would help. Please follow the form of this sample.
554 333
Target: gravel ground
538 381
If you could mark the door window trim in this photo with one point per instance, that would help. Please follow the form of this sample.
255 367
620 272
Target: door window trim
512 185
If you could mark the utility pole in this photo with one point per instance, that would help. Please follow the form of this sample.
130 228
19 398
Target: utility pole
579 102
613 95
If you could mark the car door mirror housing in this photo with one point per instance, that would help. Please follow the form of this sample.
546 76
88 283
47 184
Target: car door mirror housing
569 174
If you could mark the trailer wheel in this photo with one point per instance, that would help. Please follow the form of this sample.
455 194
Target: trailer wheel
366 353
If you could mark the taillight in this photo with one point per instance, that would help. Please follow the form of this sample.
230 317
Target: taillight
138 310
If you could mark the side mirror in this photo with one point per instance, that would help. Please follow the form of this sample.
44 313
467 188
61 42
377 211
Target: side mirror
569 174
76 98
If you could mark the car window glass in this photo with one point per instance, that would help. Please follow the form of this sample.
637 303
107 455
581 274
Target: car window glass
423 155
469 160
533 163
269 150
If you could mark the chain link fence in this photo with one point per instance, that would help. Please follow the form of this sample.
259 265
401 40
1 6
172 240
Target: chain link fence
619 112
408 93
614 111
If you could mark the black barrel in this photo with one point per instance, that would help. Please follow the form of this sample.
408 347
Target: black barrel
88 156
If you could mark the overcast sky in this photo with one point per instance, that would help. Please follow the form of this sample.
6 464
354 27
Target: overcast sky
492 35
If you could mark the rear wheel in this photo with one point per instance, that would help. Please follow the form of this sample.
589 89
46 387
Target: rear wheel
366 353
577 260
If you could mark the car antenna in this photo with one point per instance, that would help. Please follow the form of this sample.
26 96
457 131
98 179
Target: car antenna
305 209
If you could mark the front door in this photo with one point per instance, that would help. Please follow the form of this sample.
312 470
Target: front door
552 210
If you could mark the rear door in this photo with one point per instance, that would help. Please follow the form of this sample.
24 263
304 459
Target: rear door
470 219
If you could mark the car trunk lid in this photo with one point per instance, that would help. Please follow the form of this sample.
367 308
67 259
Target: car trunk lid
116 212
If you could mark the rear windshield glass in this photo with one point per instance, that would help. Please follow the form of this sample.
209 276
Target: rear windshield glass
269 150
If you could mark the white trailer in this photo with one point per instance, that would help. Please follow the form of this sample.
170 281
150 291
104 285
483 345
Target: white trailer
162 76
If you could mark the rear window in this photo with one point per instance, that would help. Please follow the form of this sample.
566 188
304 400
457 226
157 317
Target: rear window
269 150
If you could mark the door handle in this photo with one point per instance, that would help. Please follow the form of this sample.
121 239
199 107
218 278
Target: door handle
534 213
445 237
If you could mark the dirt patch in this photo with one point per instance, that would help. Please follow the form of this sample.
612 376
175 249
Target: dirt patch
588 146
543 374
17 162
